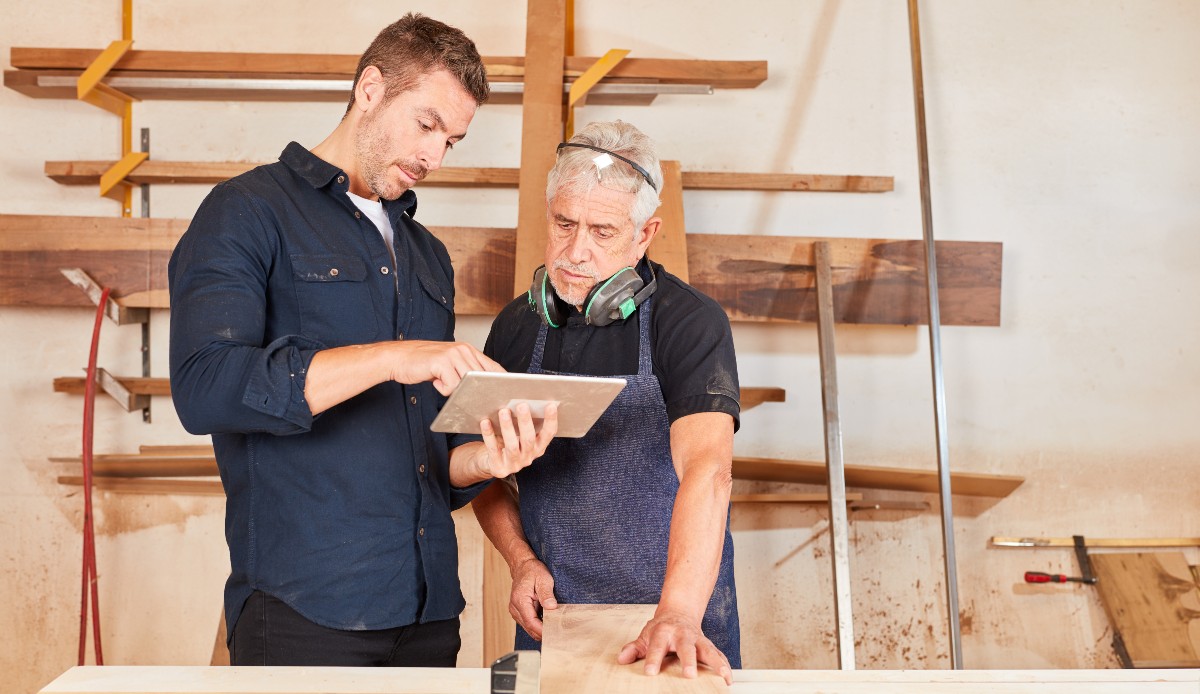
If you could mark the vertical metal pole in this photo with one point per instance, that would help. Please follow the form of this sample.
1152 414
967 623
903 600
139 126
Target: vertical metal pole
935 346
146 325
839 524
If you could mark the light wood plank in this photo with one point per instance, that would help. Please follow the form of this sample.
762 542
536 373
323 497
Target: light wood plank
116 465
901 479
784 498
723 74
579 654
148 486
158 172
1144 542
190 450
136 385
753 397
670 244
754 278
163 679
1153 602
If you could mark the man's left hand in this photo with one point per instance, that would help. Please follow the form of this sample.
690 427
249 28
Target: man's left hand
518 443
673 632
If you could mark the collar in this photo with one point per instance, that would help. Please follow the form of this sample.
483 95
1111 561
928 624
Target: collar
319 174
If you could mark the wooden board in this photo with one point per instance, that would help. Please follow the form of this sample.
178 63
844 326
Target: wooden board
148 485
902 479
74 173
579 654
755 278
814 498
753 397
1154 604
175 679
135 385
875 281
670 244
722 74
111 465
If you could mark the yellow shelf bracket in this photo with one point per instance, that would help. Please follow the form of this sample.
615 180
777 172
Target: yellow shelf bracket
590 77
113 181
89 88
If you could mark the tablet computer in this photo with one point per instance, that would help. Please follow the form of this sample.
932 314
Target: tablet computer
482 394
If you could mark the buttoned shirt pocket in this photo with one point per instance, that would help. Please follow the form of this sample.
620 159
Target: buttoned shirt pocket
437 312
334 299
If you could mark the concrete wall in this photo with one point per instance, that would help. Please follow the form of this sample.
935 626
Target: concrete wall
1067 130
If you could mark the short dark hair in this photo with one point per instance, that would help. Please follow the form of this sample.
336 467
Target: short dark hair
414 46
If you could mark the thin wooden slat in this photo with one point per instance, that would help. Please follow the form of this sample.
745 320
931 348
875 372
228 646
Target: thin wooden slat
723 74
1154 604
579 654
670 244
754 278
148 486
1096 542
116 465
752 397
901 479
135 385
786 498
180 450
151 171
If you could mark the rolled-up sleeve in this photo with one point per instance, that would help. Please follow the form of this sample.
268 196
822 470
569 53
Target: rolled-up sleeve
225 376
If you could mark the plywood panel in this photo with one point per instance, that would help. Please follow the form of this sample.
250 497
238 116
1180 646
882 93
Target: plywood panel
579 654
1153 602
670 244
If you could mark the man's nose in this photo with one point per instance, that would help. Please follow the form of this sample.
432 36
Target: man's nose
580 249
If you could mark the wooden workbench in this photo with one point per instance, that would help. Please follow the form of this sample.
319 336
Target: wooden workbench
115 679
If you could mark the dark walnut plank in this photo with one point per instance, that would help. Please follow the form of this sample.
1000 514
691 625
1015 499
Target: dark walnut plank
755 278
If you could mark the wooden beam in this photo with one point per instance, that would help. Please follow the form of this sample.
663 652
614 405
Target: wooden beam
135 385
721 74
752 397
670 245
789 498
541 131
151 171
119 465
148 485
755 278
901 479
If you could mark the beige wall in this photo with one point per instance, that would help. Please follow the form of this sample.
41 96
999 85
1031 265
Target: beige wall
1067 130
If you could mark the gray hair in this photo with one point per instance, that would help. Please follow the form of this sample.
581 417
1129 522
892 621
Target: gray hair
576 171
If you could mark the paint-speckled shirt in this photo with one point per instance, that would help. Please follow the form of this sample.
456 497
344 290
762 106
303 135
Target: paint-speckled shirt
344 516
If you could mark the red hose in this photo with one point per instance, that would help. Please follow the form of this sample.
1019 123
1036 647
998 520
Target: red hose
89 534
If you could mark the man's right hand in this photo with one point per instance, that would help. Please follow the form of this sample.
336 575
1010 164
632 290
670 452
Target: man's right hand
443 363
533 587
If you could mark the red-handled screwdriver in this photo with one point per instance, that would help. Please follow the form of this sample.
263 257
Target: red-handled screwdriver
1042 577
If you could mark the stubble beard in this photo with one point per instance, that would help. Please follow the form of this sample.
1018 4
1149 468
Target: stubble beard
371 146
573 295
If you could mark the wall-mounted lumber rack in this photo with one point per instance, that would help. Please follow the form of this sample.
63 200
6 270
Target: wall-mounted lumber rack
899 479
159 172
53 72
754 277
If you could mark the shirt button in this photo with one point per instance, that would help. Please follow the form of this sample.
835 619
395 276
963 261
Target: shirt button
341 179
357 214
421 532
333 272
413 399
399 336
421 469
384 269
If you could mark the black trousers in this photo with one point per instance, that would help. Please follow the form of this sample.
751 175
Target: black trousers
268 632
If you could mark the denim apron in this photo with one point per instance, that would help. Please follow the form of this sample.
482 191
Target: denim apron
597 509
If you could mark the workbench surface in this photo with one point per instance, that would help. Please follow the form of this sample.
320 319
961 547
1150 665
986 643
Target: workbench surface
119 679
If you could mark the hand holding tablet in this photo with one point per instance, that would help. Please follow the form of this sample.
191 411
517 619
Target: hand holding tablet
482 394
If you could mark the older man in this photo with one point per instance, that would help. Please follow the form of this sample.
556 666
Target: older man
311 328
637 510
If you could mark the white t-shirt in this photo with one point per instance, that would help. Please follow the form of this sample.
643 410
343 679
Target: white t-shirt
375 212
